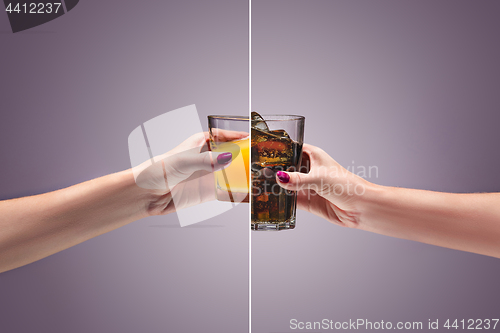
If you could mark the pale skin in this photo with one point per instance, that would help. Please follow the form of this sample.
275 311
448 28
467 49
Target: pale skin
35 227
32 228
467 222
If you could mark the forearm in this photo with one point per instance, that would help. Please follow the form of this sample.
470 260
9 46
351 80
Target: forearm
468 222
34 227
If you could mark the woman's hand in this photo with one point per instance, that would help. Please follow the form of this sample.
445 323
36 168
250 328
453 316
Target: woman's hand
328 190
467 222
35 227
183 176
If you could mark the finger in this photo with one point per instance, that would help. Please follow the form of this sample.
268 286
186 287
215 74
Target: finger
314 154
297 181
223 160
222 135
305 180
304 200
311 202
188 162
196 140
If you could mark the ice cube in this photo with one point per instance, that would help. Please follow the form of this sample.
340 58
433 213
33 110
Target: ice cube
282 134
261 135
258 122
274 147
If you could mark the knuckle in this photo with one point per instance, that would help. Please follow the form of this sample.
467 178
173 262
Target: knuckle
296 178
314 152
207 161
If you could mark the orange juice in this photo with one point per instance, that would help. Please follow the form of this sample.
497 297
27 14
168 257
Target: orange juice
232 182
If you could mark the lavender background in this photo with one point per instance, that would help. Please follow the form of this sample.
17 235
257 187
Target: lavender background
412 87
71 92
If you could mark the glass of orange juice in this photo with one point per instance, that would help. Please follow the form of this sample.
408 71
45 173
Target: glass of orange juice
231 134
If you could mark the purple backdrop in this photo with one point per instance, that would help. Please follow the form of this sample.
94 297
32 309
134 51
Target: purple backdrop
412 87
71 92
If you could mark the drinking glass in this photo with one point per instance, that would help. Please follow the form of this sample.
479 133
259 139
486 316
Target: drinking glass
276 145
230 134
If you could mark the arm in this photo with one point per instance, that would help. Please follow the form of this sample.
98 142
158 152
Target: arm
35 227
467 222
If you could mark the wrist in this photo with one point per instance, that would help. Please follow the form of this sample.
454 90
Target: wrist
373 197
150 201
140 200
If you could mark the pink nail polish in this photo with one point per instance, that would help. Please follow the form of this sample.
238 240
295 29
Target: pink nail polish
224 158
283 177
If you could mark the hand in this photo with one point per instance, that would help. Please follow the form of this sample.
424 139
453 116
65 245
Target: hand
37 226
183 176
328 190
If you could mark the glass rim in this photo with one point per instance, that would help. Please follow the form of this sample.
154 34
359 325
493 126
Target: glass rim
277 117
223 117
282 117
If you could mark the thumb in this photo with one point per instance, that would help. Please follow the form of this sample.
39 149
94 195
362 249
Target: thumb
186 163
296 181
182 166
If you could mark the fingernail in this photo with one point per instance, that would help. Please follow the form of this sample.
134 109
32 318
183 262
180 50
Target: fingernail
224 158
283 177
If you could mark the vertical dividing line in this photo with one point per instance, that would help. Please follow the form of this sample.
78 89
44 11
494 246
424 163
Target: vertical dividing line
250 161
249 167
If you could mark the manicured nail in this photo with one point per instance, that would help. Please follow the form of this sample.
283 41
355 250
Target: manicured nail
283 177
224 158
